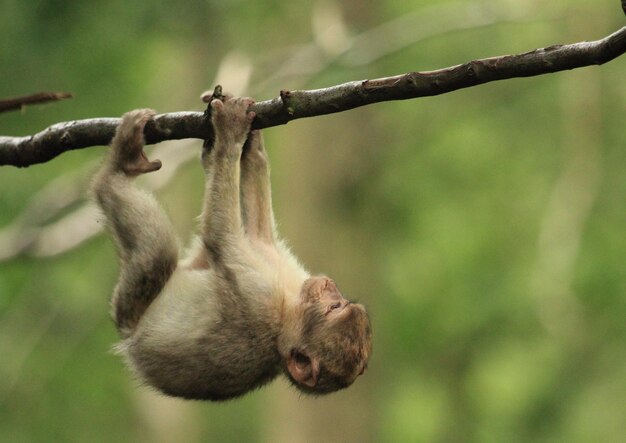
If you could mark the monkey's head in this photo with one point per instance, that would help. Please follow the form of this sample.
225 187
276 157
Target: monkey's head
335 340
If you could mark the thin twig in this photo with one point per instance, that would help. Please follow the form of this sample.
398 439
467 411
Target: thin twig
291 105
15 103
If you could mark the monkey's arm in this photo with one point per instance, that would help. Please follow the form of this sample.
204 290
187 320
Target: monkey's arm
221 219
256 194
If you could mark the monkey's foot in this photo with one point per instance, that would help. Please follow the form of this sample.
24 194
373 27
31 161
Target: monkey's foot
129 142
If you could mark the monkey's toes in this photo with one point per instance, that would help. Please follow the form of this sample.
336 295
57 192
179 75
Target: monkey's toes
137 117
141 165
130 132
129 142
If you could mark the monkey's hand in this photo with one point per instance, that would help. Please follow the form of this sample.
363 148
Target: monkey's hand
232 121
127 145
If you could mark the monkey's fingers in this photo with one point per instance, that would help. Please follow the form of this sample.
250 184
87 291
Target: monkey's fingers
206 96
248 102
209 96
217 104
241 106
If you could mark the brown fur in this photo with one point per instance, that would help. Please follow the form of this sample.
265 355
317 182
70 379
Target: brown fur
228 317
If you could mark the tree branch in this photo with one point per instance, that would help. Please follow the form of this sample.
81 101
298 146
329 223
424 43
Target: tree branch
15 103
291 105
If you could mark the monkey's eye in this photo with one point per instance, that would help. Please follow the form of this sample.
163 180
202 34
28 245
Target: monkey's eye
334 306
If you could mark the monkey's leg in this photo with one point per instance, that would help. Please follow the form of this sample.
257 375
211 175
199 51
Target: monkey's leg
256 194
222 228
145 240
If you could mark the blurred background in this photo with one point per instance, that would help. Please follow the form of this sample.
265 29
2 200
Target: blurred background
484 229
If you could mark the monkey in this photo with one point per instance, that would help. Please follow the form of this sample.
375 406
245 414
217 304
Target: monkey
237 309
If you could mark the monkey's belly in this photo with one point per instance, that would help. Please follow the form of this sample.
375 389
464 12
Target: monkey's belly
219 373
184 347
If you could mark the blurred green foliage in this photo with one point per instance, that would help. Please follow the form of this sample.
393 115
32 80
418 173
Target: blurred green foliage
483 228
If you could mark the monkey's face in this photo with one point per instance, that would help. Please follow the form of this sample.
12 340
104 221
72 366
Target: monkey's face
335 344
323 292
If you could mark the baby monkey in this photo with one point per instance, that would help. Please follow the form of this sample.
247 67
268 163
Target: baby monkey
238 309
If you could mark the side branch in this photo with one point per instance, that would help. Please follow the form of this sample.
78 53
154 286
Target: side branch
15 103
291 105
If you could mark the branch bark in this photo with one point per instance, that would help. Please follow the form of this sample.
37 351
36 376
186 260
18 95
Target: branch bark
15 103
292 105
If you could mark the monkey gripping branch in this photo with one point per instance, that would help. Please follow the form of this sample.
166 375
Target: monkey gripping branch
291 105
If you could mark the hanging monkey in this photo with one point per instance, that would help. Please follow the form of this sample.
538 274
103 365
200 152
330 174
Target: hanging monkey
238 309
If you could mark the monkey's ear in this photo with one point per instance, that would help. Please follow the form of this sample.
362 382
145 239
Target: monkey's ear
303 369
